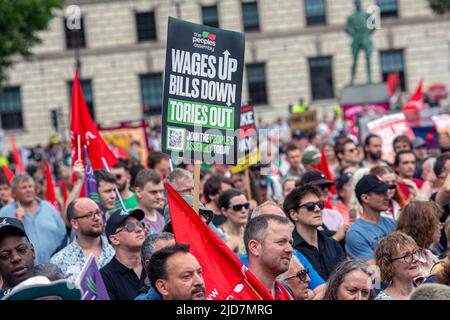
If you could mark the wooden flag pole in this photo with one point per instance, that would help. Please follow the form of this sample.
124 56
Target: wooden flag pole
196 184
79 146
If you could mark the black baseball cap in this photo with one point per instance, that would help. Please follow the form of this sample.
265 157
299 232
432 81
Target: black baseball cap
316 178
342 180
118 218
11 224
370 183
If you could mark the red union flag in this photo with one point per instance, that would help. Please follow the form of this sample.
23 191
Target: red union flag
82 125
226 278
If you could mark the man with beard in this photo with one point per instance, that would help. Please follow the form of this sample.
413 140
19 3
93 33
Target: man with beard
304 206
373 151
123 177
16 254
125 274
86 220
268 241
363 235
176 274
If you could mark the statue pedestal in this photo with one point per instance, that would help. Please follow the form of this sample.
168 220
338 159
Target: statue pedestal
364 99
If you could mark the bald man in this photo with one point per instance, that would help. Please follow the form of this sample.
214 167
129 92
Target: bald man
86 219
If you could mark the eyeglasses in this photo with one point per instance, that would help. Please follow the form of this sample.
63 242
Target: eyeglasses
408 257
352 150
238 207
301 275
131 226
392 186
90 215
310 206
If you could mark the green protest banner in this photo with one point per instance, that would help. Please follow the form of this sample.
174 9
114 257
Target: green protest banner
202 92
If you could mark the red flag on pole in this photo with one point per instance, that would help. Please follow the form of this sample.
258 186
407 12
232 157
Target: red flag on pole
50 192
16 156
393 81
82 125
225 276
323 166
415 102
8 173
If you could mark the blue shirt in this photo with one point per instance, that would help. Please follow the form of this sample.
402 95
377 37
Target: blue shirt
316 279
152 294
363 236
71 259
45 229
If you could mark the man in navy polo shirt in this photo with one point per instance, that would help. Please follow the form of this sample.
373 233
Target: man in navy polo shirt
363 236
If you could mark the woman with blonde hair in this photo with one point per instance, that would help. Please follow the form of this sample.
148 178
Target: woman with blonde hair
397 255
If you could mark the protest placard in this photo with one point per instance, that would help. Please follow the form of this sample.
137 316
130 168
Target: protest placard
202 92
388 127
305 121
442 123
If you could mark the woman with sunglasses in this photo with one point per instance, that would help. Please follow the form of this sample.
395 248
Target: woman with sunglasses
398 257
234 206
396 198
296 280
351 280
420 220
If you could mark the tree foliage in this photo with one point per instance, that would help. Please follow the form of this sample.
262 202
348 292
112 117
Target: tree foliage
20 21
440 6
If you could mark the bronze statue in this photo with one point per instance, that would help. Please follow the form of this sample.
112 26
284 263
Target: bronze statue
357 28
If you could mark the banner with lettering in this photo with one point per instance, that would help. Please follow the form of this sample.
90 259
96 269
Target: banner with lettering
202 92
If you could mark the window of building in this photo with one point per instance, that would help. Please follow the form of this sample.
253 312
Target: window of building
146 26
321 76
392 61
74 37
315 12
250 16
86 87
256 75
210 16
388 8
11 108
151 93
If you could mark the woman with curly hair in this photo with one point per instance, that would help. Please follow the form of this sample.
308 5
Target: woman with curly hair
350 280
397 255
396 198
420 220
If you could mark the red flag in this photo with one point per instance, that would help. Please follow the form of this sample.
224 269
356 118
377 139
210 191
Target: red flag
8 173
326 170
50 192
83 125
16 156
393 81
415 102
225 276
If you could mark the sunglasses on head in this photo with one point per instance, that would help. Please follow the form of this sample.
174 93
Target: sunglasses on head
301 275
131 226
238 207
310 206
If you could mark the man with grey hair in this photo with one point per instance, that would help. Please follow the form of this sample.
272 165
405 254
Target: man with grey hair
268 241
267 207
182 181
154 242
431 291
43 223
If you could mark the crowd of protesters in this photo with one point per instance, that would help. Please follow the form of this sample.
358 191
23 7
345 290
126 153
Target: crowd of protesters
377 230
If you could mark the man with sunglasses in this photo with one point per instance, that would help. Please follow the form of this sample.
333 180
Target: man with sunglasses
304 206
86 220
123 178
363 236
125 274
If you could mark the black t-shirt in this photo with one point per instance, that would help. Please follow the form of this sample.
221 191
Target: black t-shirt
325 259
121 282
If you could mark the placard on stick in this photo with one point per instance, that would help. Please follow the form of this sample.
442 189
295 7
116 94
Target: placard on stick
202 92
